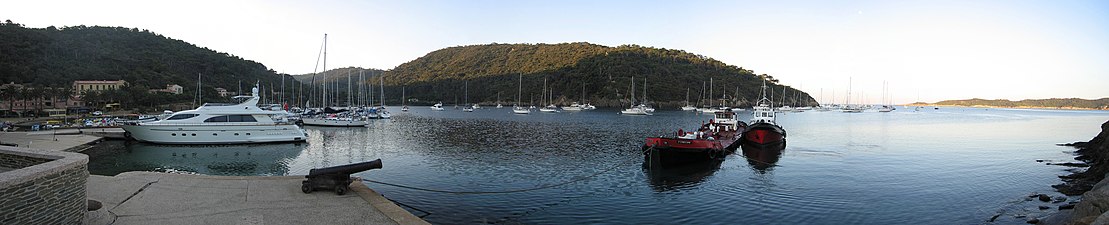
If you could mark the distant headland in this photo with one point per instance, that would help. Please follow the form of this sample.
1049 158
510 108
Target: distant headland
1051 103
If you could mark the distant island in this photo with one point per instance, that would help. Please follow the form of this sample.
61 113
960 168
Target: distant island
1051 103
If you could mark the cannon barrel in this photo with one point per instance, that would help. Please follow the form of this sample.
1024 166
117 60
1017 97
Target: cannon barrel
346 169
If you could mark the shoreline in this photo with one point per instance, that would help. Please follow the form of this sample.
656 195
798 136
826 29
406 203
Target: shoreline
1091 184
1010 107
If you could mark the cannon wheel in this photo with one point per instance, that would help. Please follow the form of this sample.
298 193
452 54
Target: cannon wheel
305 188
340 190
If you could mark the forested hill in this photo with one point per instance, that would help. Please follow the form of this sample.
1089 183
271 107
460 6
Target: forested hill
55 57
605 73
1054 103
338 75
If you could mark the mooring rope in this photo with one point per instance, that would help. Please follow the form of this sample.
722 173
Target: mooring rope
625 162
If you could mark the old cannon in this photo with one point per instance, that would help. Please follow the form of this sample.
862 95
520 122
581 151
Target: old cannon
335 178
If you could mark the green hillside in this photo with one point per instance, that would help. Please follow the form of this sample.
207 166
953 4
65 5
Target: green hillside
605 72
55 57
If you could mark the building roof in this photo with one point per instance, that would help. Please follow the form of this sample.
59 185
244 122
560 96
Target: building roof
98 81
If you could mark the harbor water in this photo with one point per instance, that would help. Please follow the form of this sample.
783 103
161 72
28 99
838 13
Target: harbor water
932 166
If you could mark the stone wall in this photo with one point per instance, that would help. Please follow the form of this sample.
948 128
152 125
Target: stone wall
19 161
48 189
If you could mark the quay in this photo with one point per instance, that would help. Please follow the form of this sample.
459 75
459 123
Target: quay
164 198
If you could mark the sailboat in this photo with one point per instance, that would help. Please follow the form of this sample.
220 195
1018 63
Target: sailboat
336 118
886 105
708 104
381 112
635 109
404 100
643 104
687 106
550 107
847 107
499 100
466 98
737 107
517 108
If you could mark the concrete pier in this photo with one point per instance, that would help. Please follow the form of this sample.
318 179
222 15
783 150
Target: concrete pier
161 198
64 140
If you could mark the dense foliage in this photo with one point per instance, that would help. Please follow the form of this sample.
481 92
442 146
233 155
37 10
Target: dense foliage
1076 103
55 57
605 73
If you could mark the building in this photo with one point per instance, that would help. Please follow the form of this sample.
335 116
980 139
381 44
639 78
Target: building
224 93
82 86
170 88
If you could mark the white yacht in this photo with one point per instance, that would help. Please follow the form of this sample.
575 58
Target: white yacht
587 106
520 110
573 107
438 107
636 110
219 123
549 108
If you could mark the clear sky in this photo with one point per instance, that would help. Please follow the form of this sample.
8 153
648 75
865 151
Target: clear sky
926 50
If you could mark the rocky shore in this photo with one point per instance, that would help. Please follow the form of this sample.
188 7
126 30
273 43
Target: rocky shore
1091 184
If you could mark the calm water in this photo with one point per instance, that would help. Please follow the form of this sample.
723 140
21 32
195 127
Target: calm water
947 166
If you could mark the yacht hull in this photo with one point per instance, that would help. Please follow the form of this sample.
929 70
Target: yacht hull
764 134
208 134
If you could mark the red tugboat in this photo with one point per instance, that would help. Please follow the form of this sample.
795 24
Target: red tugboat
712 141
764 130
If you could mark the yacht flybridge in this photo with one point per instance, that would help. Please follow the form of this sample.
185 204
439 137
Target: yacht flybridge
220 123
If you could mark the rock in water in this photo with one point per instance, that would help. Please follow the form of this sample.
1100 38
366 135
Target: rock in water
1066 206
1044 198
1044 207
1034 220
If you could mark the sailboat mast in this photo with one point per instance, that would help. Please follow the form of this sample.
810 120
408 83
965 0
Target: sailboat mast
633 91
519 89
350 91
325 84
381 79
644 90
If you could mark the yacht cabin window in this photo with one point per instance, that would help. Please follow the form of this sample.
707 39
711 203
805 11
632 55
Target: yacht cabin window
231 118
182 116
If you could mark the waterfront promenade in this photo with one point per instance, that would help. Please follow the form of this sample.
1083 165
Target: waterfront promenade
162 198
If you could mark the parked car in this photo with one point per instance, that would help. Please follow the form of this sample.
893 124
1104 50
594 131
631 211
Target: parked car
97 113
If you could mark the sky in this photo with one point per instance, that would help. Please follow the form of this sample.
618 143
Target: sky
925 50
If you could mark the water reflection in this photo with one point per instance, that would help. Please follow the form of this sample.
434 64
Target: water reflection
670 178
260 159
762 158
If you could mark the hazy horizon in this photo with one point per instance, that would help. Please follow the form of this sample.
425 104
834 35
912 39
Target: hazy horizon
927 51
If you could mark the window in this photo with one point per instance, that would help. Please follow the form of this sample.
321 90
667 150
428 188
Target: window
182 116
247 118
216 119
231 118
